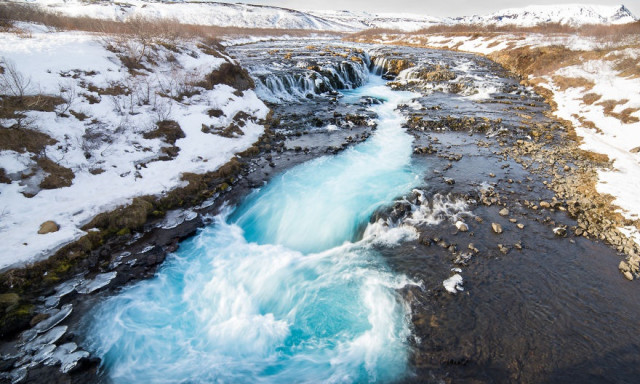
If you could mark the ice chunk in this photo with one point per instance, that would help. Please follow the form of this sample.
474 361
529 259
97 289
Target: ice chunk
453 284
98 282
48 338
54 320
67 287
71 360
177 217
45 353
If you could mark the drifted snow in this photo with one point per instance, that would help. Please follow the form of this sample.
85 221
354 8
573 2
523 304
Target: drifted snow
118 147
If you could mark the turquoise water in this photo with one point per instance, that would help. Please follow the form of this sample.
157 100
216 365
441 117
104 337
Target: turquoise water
281 289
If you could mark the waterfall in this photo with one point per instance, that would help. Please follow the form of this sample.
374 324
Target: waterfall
307 82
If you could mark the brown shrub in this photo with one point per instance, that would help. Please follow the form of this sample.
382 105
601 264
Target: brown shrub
167 130
229 74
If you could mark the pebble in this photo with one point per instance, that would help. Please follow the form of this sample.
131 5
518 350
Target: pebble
504 212
497 228
520 226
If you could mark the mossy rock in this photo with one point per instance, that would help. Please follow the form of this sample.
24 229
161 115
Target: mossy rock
15 319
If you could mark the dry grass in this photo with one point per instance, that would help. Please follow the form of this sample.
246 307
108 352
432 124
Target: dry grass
591 98
624 116
627 66
57 175
587 123
565 83
24 140
153 28
11 106
610 33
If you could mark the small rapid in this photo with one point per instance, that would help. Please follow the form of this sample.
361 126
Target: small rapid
283 288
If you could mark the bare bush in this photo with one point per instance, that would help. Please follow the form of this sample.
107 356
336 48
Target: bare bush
68 96
12 82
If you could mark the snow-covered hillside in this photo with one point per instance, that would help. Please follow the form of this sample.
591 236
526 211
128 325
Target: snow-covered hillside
200 13
365 20
102 120
258 16
567 14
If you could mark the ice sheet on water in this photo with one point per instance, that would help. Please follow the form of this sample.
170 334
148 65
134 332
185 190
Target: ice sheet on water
98 282
67 355
54 319
67 287
177 217
50 337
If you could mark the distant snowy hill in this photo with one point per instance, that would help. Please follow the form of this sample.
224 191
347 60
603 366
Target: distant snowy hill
258 16
201 13
568 14
365 20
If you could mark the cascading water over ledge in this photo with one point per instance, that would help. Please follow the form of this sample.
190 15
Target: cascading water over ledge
303 73
282 289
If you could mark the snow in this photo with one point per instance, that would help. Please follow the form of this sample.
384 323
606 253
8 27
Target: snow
254 16
568 14
200 13
453 284
615 138
114 141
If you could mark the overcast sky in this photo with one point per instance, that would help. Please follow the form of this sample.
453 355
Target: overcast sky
431 7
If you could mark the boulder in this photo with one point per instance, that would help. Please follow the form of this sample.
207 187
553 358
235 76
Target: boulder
48 227
462 227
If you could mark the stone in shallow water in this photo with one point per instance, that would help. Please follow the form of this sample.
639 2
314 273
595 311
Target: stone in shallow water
462 227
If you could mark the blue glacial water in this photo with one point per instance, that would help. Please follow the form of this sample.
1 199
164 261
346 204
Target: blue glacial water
280 290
